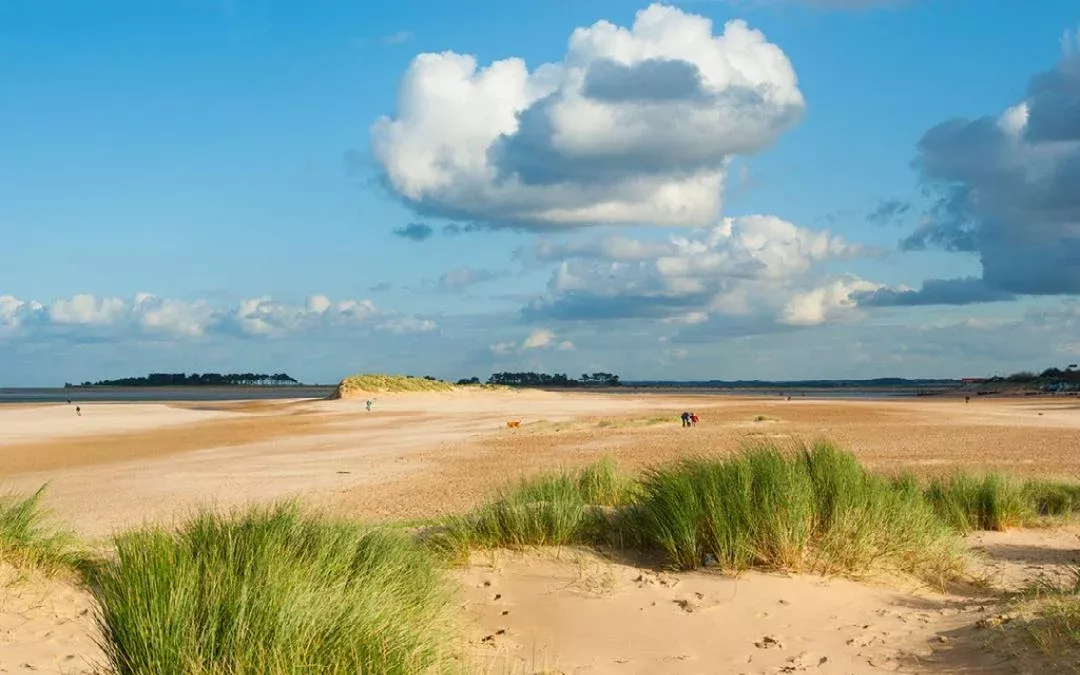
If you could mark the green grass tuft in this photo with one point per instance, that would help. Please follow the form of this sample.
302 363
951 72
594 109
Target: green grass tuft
28 541
991 502
603 484
815 509
1052 498
555 509
270 591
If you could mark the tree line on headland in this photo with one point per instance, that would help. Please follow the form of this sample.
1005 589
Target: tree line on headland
531 379
1050 380
196 380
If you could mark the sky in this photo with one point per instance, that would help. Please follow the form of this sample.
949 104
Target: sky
706 189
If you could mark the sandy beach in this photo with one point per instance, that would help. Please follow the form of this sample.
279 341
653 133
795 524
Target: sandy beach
421 455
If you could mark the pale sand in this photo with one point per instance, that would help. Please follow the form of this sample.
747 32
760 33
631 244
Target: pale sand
421 455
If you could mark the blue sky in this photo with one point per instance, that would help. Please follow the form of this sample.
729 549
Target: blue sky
728 189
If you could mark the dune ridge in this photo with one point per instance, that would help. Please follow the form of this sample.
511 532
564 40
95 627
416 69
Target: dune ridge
363 384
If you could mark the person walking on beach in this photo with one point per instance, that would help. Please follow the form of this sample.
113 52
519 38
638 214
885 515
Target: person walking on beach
693 419
78 411
369 402
686 419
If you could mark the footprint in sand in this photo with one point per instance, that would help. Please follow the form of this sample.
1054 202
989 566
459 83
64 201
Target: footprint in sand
769 642
688 606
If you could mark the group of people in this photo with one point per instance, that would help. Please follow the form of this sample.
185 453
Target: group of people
689 419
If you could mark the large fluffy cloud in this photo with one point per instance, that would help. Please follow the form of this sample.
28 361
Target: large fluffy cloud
1007 191
633 126
756 271
147 315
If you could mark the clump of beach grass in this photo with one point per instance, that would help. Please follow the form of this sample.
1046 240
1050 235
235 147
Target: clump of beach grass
29 541
602 483
272 590
993 501
766 418
630 422
553 509
810 509
1051 499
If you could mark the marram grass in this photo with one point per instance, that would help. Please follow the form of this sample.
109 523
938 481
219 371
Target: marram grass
271 591
376 383
552 509
29 541
814 509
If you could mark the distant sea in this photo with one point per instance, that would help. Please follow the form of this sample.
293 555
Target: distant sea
156 394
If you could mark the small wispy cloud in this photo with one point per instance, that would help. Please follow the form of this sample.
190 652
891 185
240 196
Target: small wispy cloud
889 212
415 232
400 37
461 278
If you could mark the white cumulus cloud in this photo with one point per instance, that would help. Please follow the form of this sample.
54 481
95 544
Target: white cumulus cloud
634 125
540 338
819 305
761 269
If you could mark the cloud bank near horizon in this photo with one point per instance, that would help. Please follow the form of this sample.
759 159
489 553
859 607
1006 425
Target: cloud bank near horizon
750 274
86 316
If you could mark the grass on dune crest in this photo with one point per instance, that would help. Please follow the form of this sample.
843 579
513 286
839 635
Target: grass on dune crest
809 508
29 541
272 591
814 509
377 383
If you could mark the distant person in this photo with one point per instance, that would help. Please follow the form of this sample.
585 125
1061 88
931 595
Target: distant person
369 402
686 419
967 399
78 411
69 401
694 419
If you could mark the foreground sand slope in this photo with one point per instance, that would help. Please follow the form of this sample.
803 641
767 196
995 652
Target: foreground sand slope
46 626
574 611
